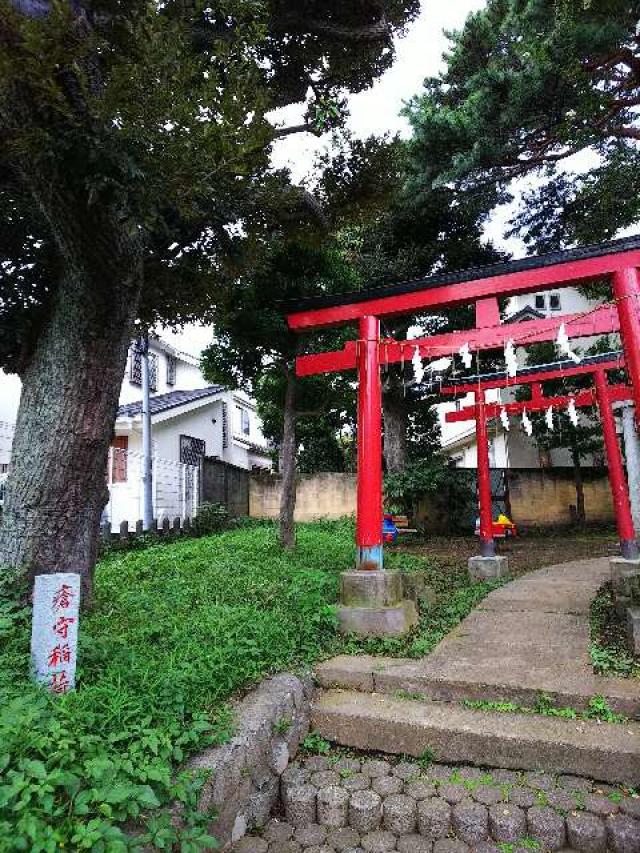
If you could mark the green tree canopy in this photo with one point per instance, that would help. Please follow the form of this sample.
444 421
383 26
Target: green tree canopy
135 185
254 349
527 85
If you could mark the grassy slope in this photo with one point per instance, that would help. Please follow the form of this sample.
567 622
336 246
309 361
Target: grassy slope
176 629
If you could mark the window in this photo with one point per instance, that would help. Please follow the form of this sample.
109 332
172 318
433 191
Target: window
135 368
192 449
153 372
225 426
540 302
243 420
119 455
171 370
554 301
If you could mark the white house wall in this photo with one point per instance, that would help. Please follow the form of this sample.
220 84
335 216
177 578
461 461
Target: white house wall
10 388
188 377
199 424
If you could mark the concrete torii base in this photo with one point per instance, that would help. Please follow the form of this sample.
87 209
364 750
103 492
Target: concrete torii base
372 605
488 568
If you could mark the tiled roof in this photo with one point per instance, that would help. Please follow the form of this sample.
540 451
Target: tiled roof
526 313
163 402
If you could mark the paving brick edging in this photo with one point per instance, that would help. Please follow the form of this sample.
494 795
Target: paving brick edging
244 785
369 805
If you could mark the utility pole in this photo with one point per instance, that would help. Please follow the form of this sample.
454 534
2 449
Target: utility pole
147 460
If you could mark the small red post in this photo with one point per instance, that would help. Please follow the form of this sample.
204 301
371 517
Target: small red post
487 312
626 290
369 500
487 544
617 479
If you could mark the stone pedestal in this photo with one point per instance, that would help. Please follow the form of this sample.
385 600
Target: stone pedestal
625 581
633 629
372 605
488 568
625 574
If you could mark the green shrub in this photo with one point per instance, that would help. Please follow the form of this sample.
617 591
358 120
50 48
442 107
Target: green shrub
432 477
211 518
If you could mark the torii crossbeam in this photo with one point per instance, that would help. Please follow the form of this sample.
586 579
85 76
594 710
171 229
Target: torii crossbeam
616 261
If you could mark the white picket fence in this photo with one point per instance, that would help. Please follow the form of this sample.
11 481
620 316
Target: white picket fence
175 489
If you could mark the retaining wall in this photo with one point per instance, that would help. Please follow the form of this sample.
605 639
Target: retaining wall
244 784
327 495
541 497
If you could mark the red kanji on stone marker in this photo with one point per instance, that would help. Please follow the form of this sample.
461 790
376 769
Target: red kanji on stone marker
61 627
59 682
59 654
62 598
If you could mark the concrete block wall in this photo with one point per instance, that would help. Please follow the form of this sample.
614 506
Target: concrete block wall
543 496
539 497
327 495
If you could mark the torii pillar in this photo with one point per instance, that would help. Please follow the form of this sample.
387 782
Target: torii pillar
487 564
371 598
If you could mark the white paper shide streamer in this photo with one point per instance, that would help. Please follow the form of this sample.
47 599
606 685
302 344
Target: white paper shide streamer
526 423
418 368
439 366
573 413
564 345
465 354
504 419
549 418
510 358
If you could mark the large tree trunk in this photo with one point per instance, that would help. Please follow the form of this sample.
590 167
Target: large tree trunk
581 516
396 419
57 489
74 361
288 464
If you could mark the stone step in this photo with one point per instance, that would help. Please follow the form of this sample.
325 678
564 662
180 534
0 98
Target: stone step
452 678
454 734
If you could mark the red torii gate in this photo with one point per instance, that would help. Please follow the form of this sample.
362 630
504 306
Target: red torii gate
601 394
617 260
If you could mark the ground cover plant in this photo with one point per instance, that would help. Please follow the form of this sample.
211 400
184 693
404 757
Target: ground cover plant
609 652
598 709
175 630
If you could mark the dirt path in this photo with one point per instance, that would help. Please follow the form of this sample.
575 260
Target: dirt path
526 553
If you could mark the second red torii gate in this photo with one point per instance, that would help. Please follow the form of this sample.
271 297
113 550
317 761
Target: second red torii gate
601 394
617 260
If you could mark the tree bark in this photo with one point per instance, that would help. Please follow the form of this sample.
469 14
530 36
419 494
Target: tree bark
288 464
581 516
56 489
396 418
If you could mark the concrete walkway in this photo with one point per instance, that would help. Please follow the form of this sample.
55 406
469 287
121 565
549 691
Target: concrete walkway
529 637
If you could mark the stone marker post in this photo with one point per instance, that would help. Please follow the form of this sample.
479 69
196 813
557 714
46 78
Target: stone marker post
54 634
